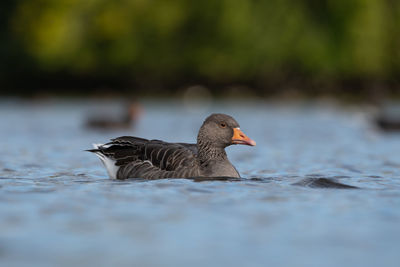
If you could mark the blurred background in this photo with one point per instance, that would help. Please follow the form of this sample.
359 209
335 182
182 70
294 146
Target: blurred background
340 48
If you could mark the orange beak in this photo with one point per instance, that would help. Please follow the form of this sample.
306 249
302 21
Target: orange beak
240 138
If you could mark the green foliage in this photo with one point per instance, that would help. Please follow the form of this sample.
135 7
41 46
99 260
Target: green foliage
217 40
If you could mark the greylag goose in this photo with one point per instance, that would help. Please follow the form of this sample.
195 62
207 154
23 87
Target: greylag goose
388 117
129 118
133 157
388 124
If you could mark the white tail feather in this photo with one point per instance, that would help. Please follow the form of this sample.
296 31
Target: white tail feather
107 162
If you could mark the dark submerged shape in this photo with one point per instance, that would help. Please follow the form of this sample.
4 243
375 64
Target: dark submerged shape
323 182
133 157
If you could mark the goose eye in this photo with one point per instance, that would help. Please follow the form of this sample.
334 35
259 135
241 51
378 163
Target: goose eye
223 125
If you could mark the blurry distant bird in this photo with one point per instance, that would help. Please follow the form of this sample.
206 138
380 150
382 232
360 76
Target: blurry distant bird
134 157
131 114
387 123
388 118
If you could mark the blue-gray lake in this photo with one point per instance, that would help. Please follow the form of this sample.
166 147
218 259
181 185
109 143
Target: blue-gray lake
59 208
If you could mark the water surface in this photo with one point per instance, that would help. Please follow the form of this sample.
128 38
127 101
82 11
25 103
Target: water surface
292 206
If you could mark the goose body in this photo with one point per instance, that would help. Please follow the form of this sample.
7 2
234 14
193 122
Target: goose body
133 157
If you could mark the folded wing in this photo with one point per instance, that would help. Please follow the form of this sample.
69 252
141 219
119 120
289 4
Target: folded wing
138 157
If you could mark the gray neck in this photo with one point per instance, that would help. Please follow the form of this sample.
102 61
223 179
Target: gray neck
207 151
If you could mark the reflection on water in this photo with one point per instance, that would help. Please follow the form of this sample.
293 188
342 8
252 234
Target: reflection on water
57 206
